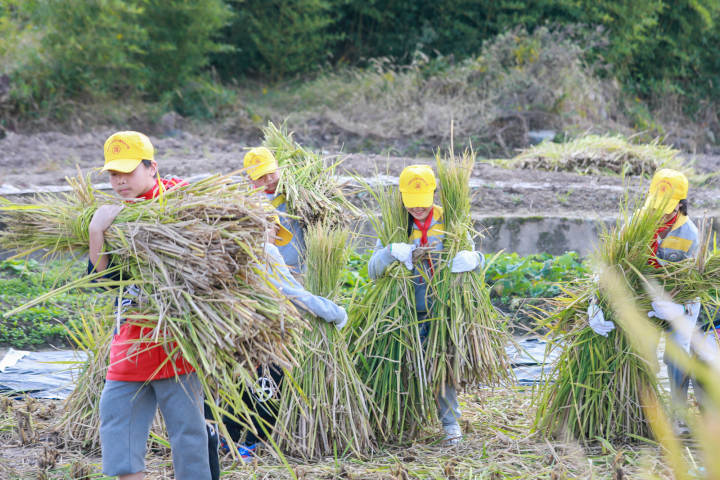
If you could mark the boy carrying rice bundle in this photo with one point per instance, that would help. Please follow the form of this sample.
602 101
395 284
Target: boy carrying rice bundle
300 185
141 376
601 384
199 301
425 234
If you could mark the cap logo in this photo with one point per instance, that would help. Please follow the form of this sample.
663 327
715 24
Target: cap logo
116 146
418 183
664 186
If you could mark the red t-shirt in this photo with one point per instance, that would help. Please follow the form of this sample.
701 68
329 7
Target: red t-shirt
135 360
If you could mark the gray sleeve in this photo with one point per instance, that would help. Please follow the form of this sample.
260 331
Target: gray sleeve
379 261
321 307
280 276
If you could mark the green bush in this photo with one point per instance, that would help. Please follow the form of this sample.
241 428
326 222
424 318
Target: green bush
112 47
278 38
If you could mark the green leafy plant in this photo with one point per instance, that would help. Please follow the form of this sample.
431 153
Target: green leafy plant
532 276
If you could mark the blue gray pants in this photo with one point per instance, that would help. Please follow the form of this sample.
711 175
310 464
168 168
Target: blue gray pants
447 403
127 410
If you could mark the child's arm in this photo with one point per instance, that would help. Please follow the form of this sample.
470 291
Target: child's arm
101 221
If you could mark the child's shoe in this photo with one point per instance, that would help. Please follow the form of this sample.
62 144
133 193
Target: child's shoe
247 452
453 434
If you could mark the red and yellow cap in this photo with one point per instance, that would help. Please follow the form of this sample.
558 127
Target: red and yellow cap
259 161
417 186
667 188
125 150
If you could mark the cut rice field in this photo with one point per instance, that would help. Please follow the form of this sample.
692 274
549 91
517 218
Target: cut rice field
497 446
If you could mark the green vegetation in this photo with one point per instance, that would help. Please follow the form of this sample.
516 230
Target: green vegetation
22 281
533 276
195 57
510 276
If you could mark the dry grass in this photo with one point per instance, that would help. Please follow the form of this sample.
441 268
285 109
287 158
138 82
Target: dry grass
497 446
598 155
518 82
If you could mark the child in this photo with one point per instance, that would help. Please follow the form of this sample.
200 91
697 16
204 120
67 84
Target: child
140 376
676 239
262 168
425 229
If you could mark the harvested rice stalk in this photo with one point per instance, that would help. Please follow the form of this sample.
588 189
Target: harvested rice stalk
467 336
325 408
594 154
599 385
92 334
385 335
307 181
193 254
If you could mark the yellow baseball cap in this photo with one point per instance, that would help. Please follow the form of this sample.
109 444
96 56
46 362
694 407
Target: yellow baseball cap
259 161
667 188
125 150
283 234
417 185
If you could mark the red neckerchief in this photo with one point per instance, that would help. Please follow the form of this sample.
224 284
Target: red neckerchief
167 184
424 228
656 240
270 191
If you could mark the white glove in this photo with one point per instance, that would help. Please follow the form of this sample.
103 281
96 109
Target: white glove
596 319
402 252
666 310
683 318
343 321
465 261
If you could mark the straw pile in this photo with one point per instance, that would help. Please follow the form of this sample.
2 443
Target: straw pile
307 180
193 254
594 154
467 337
385 335
328 411
601 384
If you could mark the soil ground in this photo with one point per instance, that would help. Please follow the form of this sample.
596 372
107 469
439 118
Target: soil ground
497 445
45 159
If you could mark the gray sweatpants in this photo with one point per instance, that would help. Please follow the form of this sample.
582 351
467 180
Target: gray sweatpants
447 403
127 410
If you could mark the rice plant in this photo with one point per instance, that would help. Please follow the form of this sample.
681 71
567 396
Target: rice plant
467 336
307 180
325 408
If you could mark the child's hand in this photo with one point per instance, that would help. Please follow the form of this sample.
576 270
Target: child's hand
104 217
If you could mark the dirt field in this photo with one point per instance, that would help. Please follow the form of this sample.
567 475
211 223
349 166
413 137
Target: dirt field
46 158
498 445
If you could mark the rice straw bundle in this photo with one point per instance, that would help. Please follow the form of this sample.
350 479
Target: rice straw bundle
92 334
386 336
307 181
193 255
325 409
601 384
467 337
